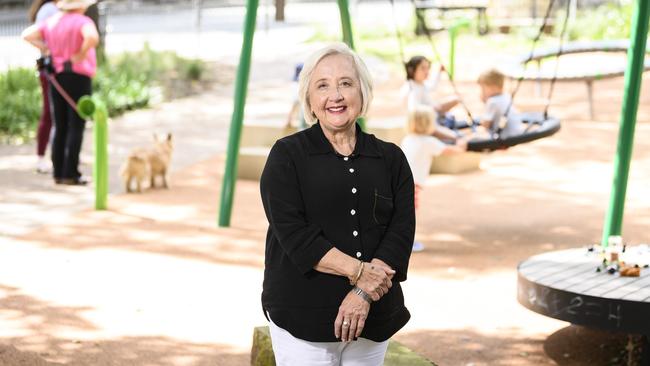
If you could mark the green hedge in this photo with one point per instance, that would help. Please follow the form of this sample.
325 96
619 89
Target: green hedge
607 21
127 81
20 103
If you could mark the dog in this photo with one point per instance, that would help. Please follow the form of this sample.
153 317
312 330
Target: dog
149 162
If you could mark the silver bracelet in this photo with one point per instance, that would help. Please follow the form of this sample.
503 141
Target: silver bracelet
362 293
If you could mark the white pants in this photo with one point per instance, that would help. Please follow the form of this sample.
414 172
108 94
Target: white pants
291 351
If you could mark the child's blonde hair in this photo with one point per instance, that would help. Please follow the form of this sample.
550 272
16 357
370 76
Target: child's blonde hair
492 77
420 120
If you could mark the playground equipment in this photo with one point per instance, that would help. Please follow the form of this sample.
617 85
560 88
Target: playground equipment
259 136
538 127
241 86
93 108
578 292
90 107
480 6
588 73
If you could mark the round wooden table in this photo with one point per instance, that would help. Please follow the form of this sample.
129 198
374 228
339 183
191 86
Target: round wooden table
565 285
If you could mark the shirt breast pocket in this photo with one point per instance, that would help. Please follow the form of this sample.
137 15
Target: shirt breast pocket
382 208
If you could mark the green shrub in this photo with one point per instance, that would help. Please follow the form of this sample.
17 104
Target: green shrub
123 82
194 70
20 99
608 21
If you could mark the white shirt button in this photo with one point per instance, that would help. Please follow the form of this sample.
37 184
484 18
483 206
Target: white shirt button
354 190
346 158
352 212
355 233
351 170
358 254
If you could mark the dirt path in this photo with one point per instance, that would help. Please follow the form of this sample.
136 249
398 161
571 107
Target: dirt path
151 281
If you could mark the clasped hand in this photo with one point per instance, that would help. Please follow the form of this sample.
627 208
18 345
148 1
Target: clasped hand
375 280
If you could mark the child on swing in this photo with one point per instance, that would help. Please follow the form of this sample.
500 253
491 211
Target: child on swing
418 92
499 115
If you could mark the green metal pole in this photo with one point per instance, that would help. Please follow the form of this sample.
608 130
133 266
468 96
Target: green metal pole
348 38
453 33
346 24
633 79
241 87
89 107
452 51
100 172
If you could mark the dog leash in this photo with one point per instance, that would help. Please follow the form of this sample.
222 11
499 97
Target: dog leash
60 89
45 64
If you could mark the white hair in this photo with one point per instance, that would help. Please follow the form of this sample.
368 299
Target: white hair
362 73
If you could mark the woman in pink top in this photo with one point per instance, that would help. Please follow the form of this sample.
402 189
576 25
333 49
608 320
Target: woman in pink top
70 38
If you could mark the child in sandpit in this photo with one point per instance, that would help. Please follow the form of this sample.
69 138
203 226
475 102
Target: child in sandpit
420 147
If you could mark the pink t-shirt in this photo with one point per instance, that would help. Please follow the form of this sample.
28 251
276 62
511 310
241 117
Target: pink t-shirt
62 33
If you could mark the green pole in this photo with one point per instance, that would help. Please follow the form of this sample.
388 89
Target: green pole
89 107
346 24
241 85
452 51
346 27
633 78
453 33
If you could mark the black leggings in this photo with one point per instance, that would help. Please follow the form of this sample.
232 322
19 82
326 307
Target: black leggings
69 132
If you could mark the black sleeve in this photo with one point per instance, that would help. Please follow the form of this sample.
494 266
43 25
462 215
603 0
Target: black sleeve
395 247
303 242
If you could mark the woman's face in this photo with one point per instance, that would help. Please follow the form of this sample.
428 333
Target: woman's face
422 71
335 92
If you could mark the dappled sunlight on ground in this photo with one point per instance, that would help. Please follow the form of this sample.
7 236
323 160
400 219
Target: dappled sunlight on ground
154 281
124 297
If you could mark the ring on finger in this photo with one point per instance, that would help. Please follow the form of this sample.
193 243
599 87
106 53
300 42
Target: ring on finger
346 323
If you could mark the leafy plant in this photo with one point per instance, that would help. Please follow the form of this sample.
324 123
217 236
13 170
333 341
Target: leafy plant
124 82
608 21
20 98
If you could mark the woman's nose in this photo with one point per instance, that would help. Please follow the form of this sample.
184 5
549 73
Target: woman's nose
336 94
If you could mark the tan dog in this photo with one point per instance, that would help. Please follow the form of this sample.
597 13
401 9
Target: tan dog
136 168
143 163
159 159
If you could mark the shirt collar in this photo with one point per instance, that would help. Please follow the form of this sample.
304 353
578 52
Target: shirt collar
318 144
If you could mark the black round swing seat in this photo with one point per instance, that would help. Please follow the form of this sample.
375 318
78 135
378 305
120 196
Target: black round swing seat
537 127
590 72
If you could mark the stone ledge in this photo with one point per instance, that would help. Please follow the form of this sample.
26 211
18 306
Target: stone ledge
456 163
397 354
253 158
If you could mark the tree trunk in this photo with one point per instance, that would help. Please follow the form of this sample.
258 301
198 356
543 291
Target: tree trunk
99 17
279 10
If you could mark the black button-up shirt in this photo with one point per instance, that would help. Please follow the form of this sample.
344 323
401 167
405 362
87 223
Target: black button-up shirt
316 199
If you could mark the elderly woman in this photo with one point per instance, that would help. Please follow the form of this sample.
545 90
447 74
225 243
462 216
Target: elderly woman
70 38
340 207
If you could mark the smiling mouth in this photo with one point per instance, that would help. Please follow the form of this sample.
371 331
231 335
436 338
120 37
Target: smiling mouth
338 109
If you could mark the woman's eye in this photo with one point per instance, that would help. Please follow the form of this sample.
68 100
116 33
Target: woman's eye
346 83
321 86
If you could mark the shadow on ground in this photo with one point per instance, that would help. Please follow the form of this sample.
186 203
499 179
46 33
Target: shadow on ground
42 322
568 346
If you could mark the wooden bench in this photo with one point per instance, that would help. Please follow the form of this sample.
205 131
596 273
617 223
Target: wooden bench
397 354
442 6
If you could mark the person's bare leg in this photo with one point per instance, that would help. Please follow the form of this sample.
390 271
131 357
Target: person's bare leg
446 104
444 133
